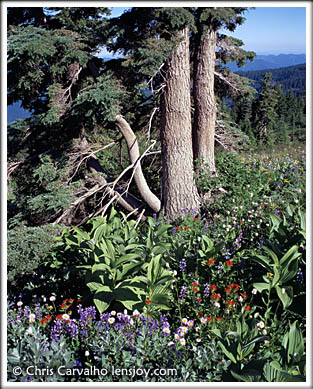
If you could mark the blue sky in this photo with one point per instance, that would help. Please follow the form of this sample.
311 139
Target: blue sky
268 30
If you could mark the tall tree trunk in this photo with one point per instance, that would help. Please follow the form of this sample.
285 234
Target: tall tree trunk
179 191
204 99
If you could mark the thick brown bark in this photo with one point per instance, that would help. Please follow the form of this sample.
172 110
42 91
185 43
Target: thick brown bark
179 191
204 99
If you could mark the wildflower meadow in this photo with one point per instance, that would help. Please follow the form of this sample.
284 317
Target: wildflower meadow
216 296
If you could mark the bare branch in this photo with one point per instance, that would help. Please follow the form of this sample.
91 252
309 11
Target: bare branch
134 156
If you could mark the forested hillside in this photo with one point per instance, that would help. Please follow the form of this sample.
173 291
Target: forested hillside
291 78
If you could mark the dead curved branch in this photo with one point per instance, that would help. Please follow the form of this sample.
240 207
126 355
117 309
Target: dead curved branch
134 155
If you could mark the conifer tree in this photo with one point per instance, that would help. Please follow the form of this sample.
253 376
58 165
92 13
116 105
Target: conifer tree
74 95
265 114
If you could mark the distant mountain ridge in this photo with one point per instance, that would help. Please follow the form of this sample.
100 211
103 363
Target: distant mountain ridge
261 62
270 61
291 78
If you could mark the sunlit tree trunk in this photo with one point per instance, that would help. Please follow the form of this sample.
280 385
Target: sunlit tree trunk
179 192
204 100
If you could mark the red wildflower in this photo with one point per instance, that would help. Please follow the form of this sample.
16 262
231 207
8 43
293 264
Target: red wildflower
230 303
199 299
43 321
178 228
64 301
200 314
186 228
216 296
63 306
213 287
195 219
236 286
210 318
195 283
70 301
229 263
148 301
244 295
48 317
247 307
59 317
227 290
79 301
195 290
218 318
210 261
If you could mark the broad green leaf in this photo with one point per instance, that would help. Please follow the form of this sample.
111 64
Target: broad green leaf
291 254
227 353
263 261
102 299
101 267
126 258
94 285
162 229
260 286
302 220
285 294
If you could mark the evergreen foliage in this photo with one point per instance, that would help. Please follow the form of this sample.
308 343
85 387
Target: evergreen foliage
291 78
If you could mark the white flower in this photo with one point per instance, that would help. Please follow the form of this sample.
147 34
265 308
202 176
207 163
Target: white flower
136 313
217 305
283 290
176 337
203 320
175 273
261 324
166 330
184 320
29 331
111 320
125 312
131 322
256 314
198 340
32 317
52 298
240 299
254 291
194 348
170 344
65 316
19 303
197 329
264 332
190 323
182 341
44 299
113 313
86 353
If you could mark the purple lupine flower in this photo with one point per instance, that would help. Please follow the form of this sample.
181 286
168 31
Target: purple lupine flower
38 311
182 265
56 330
72 329
299 275
183 293
206 291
